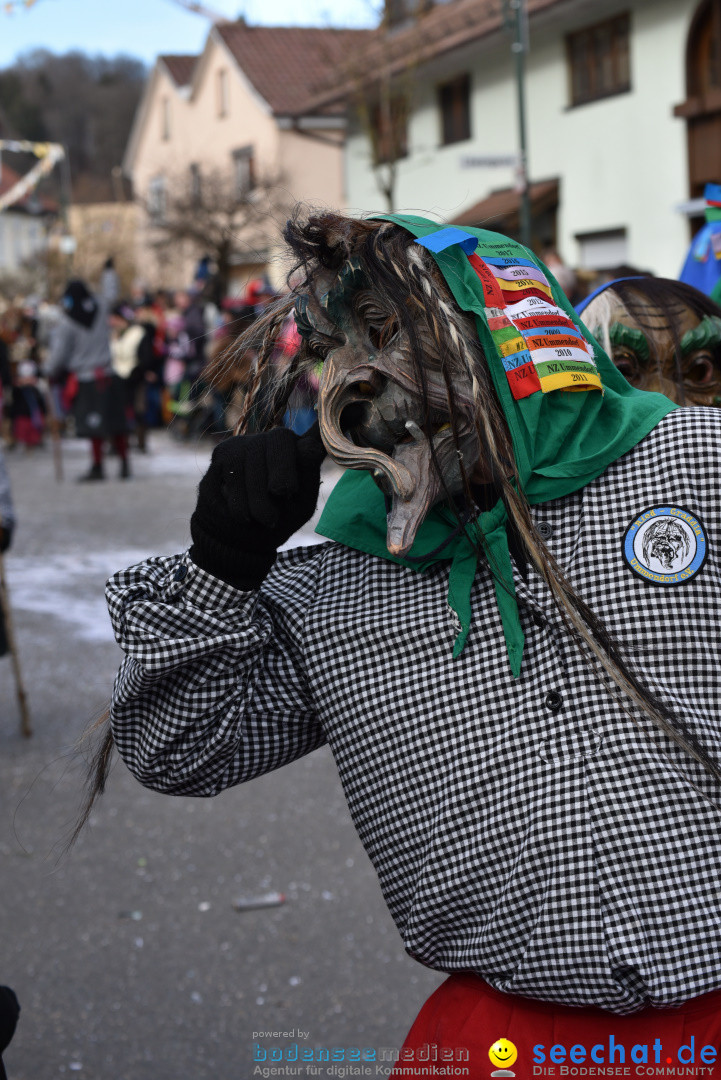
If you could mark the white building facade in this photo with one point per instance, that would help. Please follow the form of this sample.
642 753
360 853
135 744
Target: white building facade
22 236
605 84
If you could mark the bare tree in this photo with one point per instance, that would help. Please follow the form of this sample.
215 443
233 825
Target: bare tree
382 109
227 216
381 85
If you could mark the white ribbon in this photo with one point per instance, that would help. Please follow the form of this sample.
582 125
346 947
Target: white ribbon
48 153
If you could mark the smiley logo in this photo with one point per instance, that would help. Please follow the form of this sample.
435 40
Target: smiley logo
503 1054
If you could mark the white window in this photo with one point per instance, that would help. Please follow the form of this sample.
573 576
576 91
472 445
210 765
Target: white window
222 85
18 238
603 250
196 185
243 171
157 199
165 119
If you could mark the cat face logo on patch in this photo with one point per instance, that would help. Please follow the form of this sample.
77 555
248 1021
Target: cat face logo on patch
665 545
503 1054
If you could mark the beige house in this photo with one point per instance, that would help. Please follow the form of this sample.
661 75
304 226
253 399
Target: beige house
103 219
229 127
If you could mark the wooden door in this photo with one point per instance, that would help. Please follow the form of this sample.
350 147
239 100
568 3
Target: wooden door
702 107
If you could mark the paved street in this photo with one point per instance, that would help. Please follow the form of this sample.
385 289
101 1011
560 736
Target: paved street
127 955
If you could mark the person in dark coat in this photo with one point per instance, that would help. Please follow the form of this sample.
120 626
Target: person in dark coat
81 344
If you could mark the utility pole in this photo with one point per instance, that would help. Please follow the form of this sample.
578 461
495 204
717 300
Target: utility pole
515 19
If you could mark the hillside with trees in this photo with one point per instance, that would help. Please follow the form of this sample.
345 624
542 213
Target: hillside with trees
85 102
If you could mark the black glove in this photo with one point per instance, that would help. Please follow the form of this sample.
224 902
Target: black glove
6 535
258 491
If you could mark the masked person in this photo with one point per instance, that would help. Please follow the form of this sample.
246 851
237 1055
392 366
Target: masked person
662 335
510 646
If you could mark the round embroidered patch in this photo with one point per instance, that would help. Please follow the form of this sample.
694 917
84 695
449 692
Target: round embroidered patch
665 545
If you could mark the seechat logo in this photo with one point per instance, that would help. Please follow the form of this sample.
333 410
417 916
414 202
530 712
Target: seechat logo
503 1054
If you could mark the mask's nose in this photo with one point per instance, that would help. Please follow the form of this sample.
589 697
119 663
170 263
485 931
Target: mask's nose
368 420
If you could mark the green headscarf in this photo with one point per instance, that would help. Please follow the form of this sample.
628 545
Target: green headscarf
561 439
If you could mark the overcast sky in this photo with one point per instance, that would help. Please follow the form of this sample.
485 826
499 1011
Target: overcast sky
145 28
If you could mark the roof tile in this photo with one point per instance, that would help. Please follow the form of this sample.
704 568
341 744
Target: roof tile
180 67
286 63
500 205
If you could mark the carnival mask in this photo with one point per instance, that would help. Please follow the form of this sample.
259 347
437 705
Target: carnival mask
381 406
669 349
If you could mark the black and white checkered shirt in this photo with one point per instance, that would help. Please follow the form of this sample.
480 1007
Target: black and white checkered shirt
525 829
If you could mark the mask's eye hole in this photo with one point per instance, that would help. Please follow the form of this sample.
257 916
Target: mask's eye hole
380 336
320 345
320 349
627 362
700 371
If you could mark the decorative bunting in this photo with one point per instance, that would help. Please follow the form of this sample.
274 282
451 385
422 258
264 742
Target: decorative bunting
11 5
48 153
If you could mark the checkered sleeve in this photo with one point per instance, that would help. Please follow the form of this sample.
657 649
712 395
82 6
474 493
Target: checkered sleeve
212 690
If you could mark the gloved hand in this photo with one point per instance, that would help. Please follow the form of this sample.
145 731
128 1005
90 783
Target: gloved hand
258 491
6 535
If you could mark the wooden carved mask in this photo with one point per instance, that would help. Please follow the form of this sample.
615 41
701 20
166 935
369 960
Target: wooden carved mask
660 342
383 401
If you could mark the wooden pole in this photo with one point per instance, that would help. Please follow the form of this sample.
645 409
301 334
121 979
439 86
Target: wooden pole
25 725
54 433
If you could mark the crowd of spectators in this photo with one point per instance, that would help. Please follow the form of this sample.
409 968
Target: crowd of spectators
155 359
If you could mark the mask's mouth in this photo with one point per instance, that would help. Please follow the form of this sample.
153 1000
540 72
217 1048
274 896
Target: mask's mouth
369 424
370 420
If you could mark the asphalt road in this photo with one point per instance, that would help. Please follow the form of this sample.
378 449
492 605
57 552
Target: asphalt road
127 954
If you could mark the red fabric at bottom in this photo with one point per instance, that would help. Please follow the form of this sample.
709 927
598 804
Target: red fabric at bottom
120 442
96 449
465 1017
27 432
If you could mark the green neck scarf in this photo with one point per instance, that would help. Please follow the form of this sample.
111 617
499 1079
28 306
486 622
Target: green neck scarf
561 439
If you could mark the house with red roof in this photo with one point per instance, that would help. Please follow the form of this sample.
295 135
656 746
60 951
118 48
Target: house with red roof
237 111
